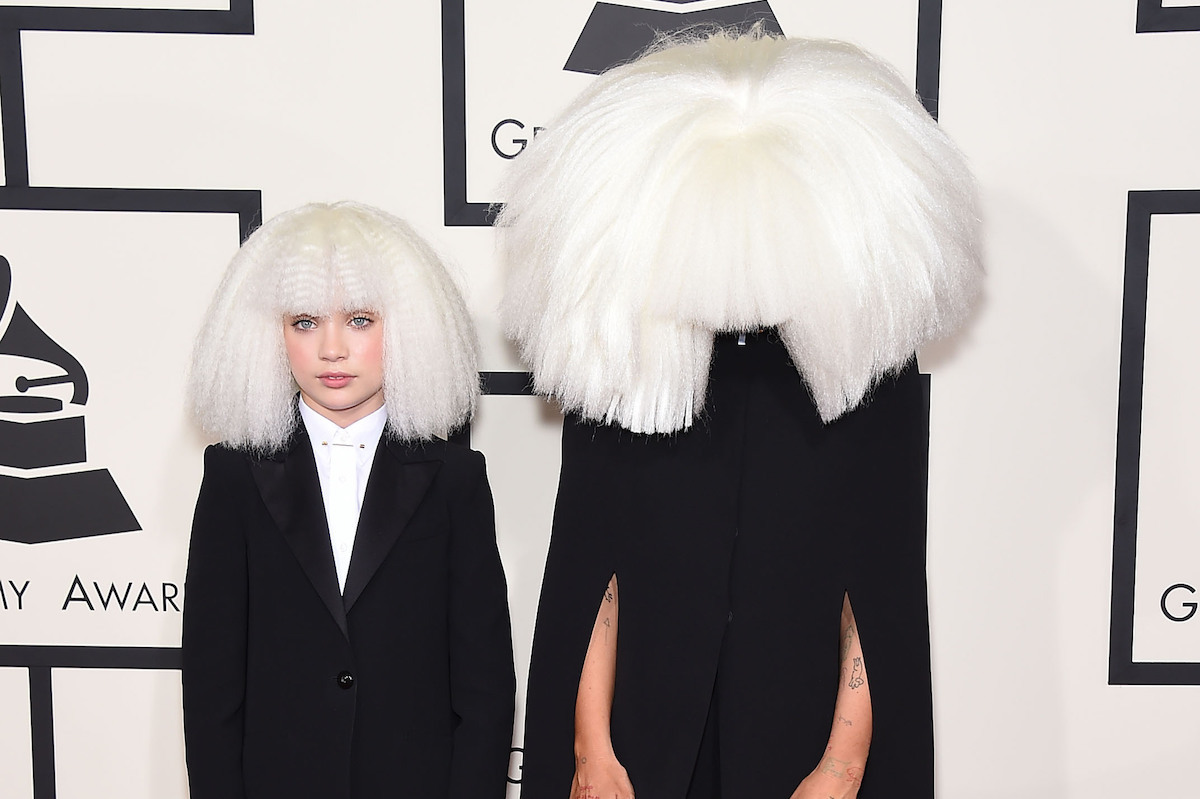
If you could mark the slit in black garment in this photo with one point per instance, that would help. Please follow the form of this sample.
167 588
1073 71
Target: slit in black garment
846 755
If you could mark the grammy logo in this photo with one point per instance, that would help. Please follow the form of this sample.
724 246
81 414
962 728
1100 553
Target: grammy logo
38 438
615 34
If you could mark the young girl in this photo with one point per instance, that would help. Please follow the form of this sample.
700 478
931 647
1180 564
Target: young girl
346 629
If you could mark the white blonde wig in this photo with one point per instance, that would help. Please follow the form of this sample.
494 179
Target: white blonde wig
319 259
728 183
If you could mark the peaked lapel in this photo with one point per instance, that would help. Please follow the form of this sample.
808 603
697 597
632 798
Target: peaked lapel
400 477
291 491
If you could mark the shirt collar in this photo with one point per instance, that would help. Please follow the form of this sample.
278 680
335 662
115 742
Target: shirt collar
366 431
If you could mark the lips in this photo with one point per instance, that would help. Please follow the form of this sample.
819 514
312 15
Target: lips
334 379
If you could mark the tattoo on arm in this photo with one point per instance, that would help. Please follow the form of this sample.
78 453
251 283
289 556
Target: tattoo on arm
845 721
842 769
610 597
857 676
834 767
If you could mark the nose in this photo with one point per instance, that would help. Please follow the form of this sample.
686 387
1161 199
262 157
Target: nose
333 343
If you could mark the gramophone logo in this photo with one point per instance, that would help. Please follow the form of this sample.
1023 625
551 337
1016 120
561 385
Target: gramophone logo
616 33
52 496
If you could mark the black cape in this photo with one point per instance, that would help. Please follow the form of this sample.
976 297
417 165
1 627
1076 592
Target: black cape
733 543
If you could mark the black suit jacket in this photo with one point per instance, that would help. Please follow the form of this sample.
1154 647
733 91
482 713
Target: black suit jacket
401 686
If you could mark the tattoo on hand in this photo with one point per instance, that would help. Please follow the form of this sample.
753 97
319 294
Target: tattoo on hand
857 678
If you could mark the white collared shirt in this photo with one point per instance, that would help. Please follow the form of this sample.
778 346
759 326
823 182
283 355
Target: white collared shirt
344 457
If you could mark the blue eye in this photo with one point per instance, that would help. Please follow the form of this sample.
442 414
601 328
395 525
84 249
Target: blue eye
361 321
304 324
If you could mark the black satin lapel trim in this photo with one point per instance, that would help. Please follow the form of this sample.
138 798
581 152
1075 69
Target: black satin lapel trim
292 493
397 484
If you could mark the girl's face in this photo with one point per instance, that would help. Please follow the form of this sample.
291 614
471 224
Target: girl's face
337 361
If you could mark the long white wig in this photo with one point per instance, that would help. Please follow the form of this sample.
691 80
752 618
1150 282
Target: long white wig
726 183
319 259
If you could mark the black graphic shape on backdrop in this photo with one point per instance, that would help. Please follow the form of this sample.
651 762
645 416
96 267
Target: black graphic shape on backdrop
60 507
1152 17
25 339
1122 669
48 507
929 54
510 384
459 212
36 445
237 19
615 34
41 730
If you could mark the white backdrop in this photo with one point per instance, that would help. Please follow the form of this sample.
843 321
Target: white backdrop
1063 109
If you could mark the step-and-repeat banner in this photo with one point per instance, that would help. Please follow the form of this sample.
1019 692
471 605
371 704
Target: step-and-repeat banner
142 141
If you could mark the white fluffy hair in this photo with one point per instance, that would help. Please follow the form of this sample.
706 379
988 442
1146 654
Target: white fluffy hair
319 259
728 183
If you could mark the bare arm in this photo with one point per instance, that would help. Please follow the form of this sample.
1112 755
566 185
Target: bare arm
840 771
598 774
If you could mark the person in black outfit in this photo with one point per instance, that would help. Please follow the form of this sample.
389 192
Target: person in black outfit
722 260
346 630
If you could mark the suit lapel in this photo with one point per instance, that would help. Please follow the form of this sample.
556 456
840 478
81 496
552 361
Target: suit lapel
292 493
400 478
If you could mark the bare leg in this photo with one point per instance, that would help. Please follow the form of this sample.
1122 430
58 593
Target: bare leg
841 768
598 773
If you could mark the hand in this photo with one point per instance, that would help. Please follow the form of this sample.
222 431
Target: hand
600 777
